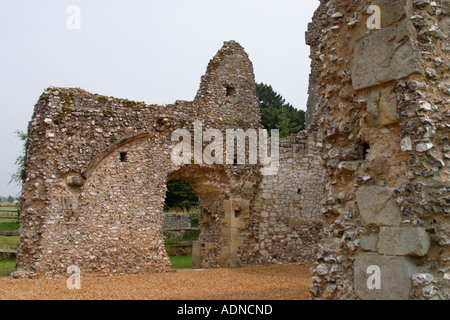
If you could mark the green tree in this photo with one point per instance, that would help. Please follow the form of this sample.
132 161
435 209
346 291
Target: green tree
276 113
180 195
16 177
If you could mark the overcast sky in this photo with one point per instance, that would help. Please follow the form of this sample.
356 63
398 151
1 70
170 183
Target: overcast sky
145 50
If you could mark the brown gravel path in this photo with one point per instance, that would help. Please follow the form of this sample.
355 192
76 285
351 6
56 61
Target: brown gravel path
280 282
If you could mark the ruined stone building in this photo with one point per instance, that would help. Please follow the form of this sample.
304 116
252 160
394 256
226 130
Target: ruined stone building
380 99
363 191
96 173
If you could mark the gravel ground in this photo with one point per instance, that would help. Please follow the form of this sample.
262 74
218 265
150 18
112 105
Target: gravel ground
278 282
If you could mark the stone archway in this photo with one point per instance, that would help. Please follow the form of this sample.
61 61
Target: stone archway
96 173
223 215
96 169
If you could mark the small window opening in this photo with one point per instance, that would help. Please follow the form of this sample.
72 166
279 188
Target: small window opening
366 149
299 191
123 157
230 91
237 213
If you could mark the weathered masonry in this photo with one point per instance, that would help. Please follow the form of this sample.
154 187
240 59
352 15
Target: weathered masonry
381 102
364 191
96 173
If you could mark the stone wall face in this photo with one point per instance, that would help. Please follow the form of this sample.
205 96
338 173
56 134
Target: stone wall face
382 107
290 203
172 221
96 173
363 191
97 167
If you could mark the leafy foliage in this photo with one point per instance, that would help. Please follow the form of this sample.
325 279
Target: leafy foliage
276 113
16 177
180 195
194 216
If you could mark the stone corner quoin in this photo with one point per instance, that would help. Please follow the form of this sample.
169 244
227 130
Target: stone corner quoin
381 102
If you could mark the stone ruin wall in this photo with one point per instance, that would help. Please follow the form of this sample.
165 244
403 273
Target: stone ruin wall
290 203
96 173
173 221
366 184
381 102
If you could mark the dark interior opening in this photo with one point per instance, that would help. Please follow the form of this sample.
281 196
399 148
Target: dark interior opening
230 91
366 149
123 157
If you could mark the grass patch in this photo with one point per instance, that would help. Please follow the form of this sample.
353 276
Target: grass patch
9 242
9 211
7 267
186 236
181 262
8 208
9 225
7 260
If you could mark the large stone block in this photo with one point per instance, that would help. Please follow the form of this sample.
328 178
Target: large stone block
445 5
444 25
377 207
395 277
386 55
382 106
403 241
393 11
369 243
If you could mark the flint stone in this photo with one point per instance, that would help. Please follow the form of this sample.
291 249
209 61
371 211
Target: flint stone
377 207
406 144
75 181
395 277
403 241
422 279
386 55
425 146
349 165
393 11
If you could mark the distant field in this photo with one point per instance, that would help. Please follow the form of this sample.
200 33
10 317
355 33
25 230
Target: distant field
5 211
7 261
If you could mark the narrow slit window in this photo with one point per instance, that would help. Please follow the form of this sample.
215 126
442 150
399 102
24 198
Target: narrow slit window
366 149
123 157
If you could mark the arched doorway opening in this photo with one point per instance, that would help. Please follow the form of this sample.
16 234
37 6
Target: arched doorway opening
180 222
213 187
